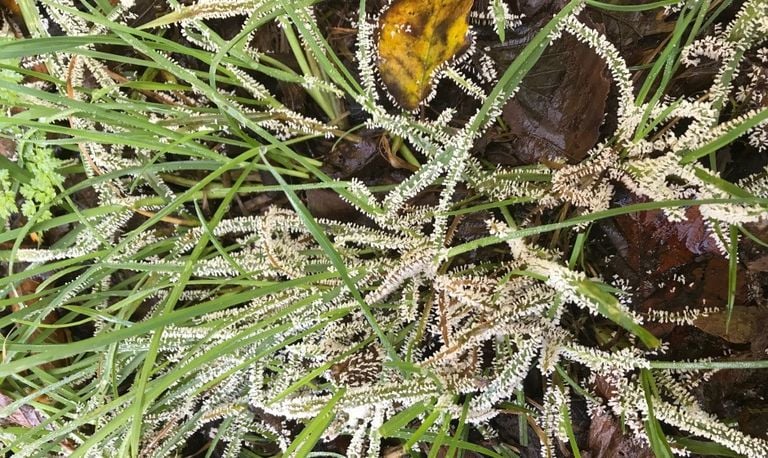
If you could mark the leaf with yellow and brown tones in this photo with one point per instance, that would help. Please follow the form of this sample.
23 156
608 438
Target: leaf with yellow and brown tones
12 6
416 37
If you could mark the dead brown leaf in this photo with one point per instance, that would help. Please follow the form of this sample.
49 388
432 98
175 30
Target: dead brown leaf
11 5
744 324
560 107
24 416
606 439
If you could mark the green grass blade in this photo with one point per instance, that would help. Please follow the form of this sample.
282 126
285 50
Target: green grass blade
306 440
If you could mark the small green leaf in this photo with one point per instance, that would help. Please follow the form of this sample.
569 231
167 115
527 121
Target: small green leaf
658 440
39 46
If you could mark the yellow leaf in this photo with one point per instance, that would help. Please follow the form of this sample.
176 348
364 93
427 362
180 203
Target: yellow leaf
416 37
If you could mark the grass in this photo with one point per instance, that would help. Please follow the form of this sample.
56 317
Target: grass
158 313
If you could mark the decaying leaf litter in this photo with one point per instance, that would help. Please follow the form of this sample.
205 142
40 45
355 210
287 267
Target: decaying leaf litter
553 121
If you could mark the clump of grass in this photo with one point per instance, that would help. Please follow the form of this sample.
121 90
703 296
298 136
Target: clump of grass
183 317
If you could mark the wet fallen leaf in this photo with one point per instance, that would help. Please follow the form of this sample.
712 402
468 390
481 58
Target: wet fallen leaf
670 265
606 438
635 33
745 322
469 227
559 109
326 203
350 159
417 37
24 416
655 245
